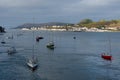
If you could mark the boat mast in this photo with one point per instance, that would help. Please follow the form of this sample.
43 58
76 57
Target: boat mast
33 43
33 47
109 45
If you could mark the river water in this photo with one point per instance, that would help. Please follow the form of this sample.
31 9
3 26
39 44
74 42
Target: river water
72 59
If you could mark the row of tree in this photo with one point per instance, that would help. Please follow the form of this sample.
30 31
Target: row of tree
100 24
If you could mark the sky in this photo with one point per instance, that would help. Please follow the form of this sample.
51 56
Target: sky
17 12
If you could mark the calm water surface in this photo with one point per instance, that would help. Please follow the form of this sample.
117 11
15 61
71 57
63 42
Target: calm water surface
72 59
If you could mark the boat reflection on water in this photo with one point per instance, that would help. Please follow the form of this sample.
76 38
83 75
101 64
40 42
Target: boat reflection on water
32 62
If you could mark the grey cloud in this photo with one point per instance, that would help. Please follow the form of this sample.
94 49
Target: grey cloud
20 11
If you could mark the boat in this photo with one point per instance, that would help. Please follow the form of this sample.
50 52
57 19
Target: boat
32 62
38 38
74 37
3 42
50 45
107 56
11 50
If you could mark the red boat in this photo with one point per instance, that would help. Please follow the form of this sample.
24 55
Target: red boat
106 56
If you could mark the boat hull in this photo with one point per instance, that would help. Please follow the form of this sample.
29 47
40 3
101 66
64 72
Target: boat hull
106 57
32 66
50 46
3 42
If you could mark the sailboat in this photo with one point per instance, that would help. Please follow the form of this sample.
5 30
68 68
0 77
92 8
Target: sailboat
51 44
32 62
107 56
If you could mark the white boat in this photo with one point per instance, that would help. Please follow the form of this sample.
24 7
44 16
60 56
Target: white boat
32 62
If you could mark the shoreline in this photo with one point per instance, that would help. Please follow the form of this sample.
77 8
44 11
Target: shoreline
69 30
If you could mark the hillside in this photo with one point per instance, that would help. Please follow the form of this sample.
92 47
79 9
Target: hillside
29 25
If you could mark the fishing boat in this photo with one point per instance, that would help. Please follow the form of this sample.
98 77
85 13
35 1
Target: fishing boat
107 56
32 62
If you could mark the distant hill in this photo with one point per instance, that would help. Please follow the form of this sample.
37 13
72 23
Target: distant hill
29 25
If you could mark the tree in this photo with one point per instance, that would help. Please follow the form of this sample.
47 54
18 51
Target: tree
85 21
2 29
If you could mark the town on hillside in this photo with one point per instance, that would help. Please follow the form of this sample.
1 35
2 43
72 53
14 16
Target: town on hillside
85 25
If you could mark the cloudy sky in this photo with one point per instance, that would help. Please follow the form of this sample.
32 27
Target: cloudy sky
17 12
